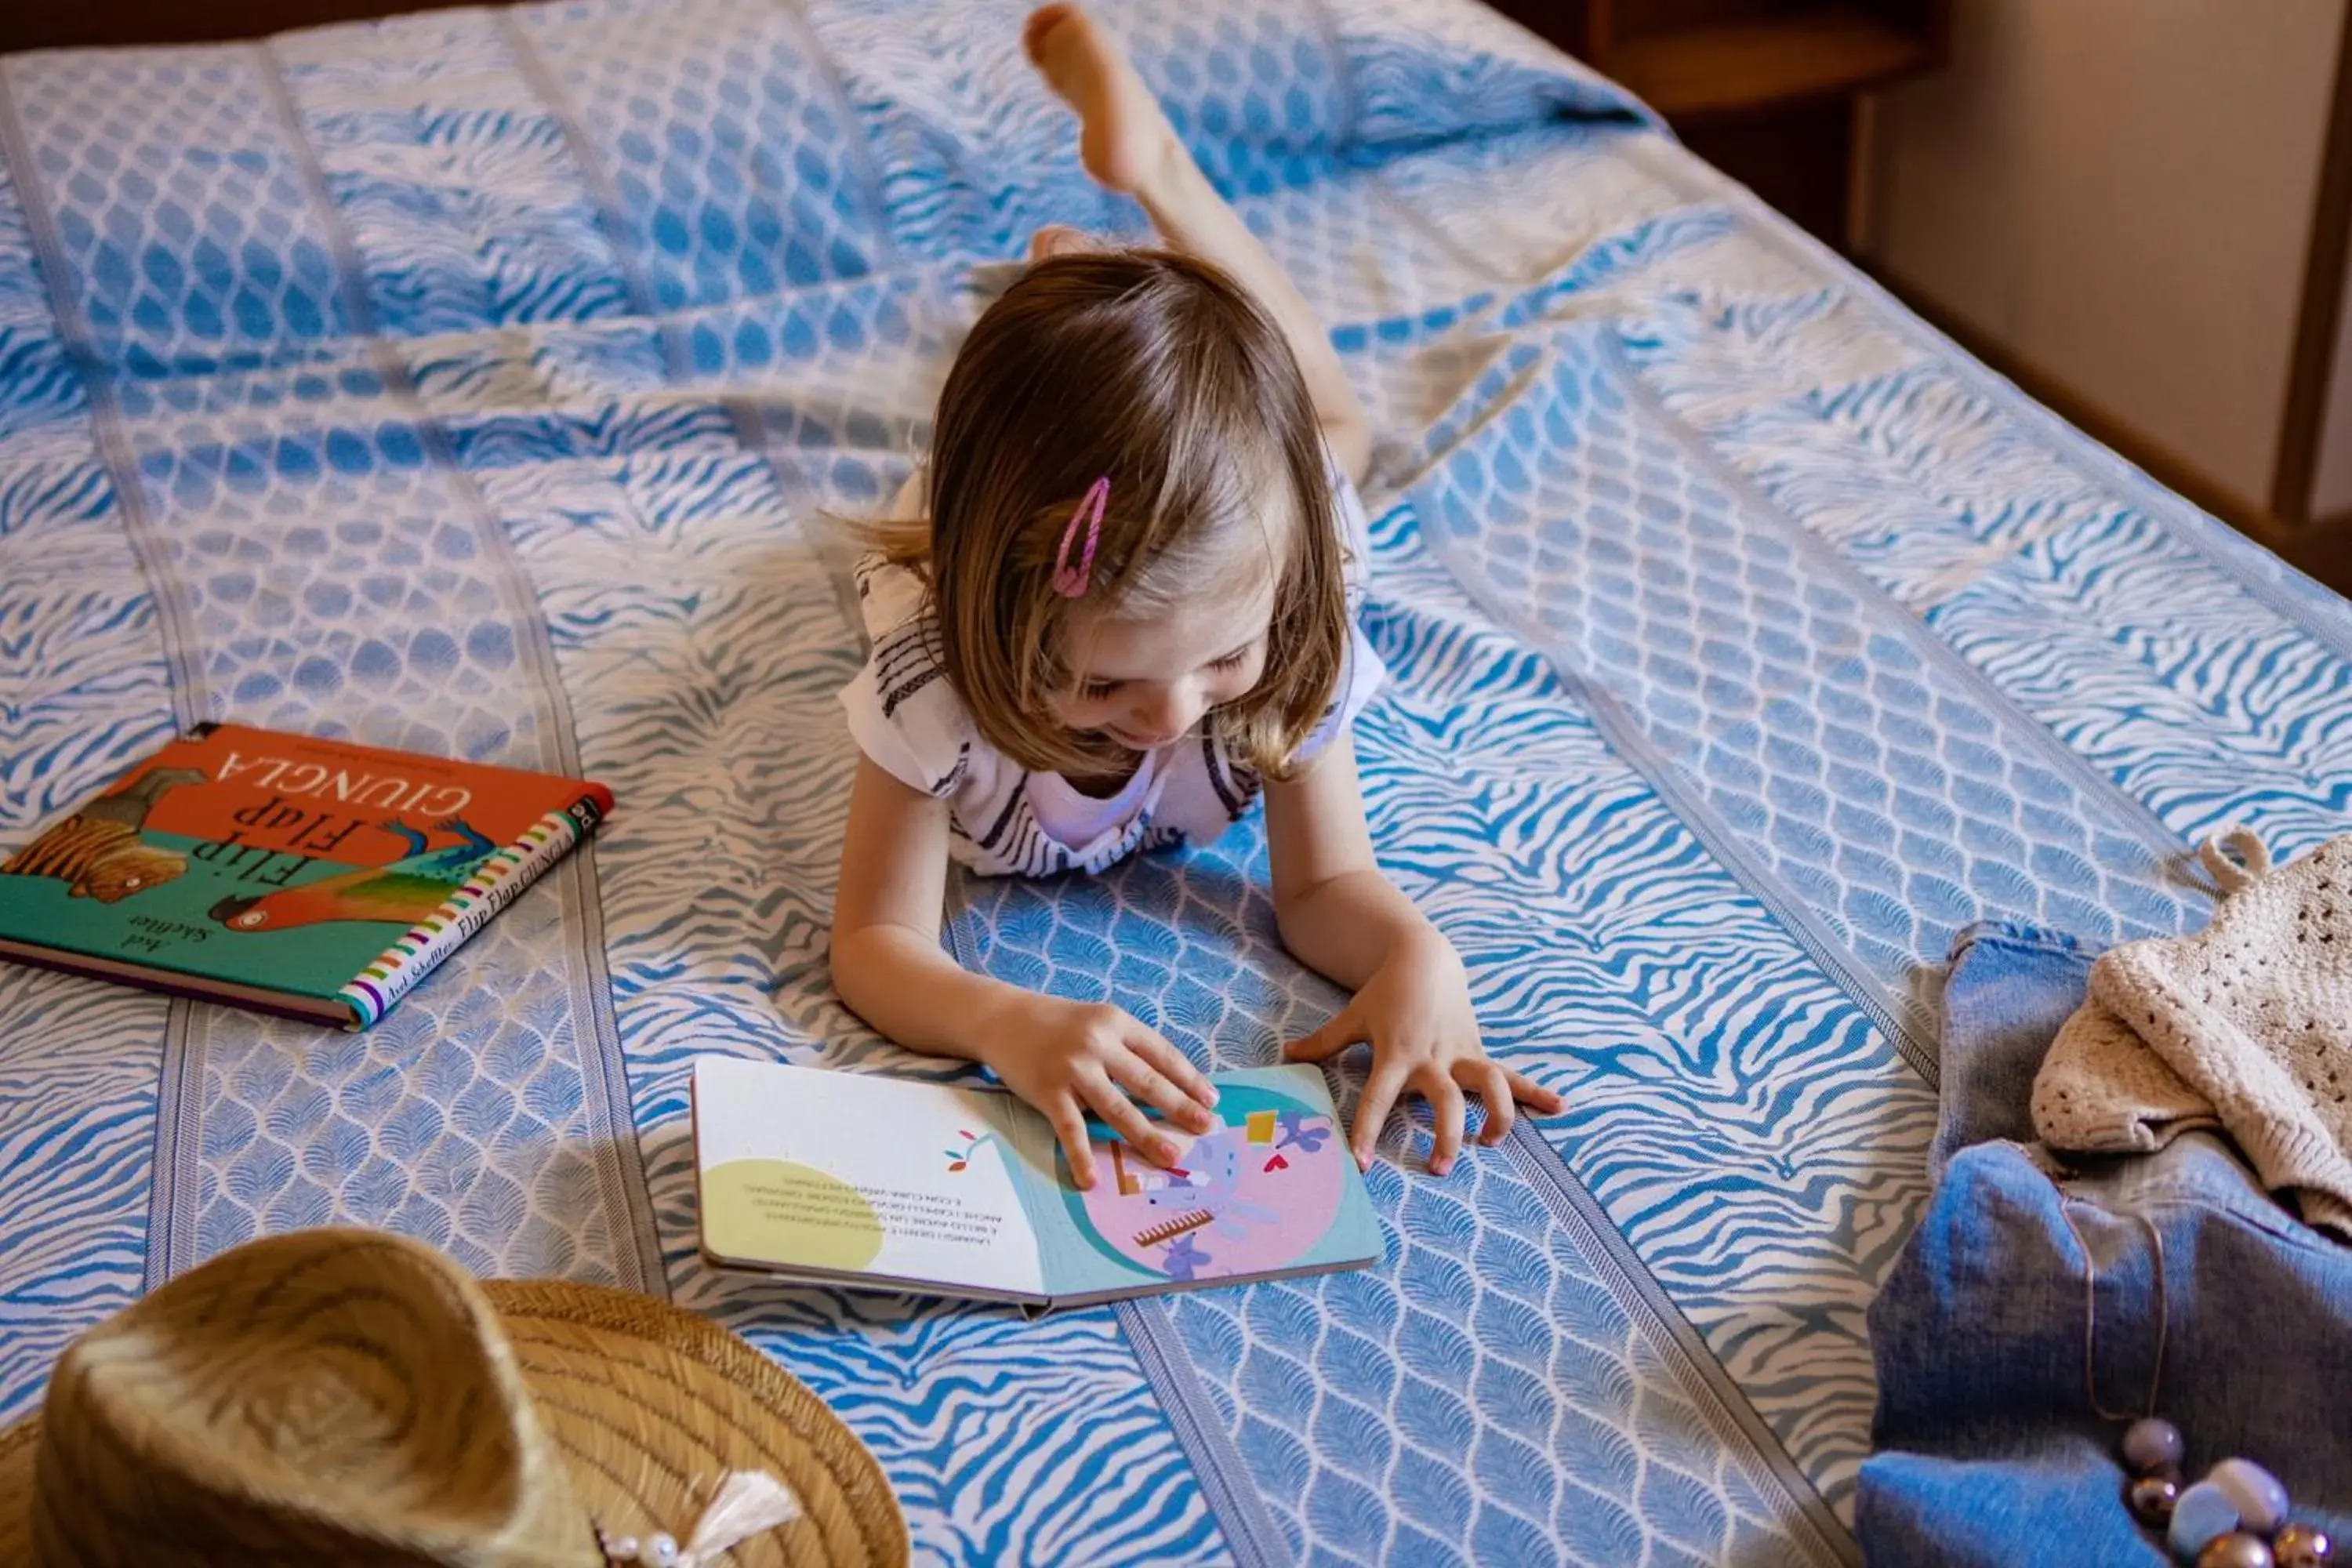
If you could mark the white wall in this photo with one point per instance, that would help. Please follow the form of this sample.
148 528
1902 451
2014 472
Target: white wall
2118 193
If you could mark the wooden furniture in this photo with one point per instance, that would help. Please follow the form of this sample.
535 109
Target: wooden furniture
1773 92
56 24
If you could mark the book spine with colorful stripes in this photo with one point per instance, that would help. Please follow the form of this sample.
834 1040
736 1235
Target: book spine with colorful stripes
491 887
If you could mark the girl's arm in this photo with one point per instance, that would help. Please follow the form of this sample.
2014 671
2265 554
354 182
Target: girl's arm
1064 1057
1324 867
1342 918
888 962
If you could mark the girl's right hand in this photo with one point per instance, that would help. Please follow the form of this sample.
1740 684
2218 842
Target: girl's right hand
1069 1058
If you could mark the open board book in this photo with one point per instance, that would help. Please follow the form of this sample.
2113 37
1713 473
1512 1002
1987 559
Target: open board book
896 1184
290 874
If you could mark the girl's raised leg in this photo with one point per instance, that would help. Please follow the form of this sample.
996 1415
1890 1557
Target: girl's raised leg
1127 143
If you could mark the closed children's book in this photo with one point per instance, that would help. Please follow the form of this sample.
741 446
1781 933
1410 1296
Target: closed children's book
309 877
893 1184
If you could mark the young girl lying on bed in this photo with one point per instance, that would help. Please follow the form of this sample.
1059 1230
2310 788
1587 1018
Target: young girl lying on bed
1122 603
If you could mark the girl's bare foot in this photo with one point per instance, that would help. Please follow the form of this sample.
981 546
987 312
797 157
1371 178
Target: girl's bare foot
1124 139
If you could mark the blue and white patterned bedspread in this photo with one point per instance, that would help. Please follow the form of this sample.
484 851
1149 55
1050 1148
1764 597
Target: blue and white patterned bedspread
478 381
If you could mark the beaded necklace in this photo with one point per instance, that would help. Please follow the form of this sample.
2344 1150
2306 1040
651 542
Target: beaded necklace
2236 1515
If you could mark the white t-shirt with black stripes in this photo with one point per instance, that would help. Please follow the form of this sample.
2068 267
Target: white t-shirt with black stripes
1004 820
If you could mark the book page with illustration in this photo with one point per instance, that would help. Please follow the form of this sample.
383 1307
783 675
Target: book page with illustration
864 1179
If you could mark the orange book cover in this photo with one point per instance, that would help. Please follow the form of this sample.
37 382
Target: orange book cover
297 875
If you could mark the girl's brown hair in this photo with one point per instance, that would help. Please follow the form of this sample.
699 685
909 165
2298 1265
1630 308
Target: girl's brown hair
1155 369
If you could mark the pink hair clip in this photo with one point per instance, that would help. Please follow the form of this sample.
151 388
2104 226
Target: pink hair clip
1069 581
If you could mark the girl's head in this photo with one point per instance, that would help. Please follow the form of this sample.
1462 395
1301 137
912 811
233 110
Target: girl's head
1215 592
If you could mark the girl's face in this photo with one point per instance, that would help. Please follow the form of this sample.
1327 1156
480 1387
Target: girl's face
1147 682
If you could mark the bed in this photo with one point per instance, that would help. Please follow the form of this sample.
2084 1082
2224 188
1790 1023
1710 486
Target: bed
481 381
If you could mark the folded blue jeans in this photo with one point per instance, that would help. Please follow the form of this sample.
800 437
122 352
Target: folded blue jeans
2029 1318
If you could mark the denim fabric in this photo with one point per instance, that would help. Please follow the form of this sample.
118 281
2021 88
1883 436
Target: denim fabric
2010 988
2016 1292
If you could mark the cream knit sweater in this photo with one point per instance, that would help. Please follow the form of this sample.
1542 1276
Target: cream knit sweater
2246 1027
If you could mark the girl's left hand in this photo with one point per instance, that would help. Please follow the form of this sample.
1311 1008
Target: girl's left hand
1415 1011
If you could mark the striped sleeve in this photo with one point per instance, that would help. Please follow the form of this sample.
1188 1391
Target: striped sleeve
902 712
